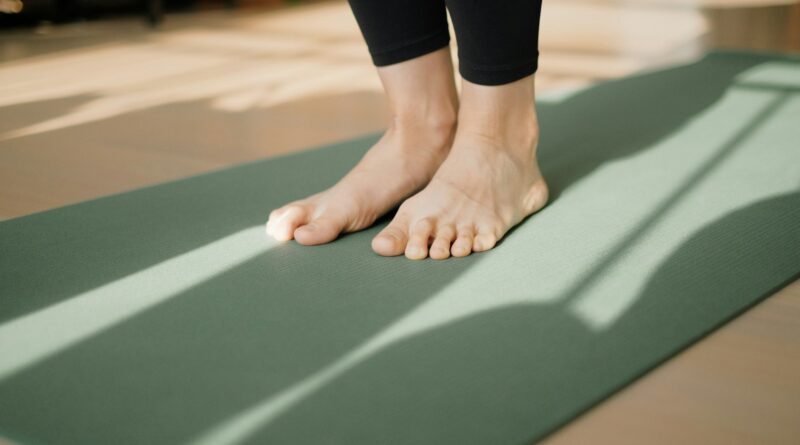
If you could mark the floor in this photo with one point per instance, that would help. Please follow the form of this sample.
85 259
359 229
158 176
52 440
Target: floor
97 108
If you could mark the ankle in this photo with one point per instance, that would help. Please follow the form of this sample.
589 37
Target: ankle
434 128
440 115
517 136
503 116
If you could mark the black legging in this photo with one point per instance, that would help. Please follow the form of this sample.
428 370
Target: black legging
497 39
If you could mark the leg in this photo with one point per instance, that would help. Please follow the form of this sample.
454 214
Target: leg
416 71
490 180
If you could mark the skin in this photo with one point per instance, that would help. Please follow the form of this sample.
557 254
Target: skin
465 175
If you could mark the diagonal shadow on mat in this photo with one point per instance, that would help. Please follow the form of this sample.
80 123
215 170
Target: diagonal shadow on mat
225 344
534 384
245 423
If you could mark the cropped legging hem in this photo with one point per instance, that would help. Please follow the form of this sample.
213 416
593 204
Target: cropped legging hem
496 75
412 50
481 75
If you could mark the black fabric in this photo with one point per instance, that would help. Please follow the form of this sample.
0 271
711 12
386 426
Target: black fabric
497 40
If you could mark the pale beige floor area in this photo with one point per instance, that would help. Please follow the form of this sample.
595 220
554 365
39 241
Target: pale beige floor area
92 109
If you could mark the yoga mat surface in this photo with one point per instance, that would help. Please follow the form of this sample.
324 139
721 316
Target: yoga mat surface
166 316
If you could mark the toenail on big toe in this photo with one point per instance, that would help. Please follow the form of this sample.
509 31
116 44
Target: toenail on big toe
387 241
384 244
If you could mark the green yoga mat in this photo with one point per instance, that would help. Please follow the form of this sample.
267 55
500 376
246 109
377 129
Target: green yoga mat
166 316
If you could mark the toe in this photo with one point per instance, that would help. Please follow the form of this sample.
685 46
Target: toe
440 249
283 225
484 241
318 231
392 240
273 216
417 247
462 246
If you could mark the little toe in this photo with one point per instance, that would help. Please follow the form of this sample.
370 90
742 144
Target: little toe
392 240
484 241
283 227
462 246
417 247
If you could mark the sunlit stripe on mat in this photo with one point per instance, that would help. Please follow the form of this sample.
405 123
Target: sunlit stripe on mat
36 336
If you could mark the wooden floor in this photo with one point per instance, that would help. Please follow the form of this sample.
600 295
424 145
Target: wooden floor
97 108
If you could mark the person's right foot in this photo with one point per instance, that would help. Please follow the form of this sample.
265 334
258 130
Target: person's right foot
489 183
484 188
400 164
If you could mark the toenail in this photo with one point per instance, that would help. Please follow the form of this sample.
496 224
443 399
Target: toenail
415 251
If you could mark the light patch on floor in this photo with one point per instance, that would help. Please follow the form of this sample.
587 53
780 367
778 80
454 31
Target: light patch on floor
55 328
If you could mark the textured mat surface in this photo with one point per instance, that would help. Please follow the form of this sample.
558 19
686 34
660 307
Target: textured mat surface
165 315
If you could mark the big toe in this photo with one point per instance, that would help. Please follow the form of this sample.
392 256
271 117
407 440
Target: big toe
318 231
283 222
391 241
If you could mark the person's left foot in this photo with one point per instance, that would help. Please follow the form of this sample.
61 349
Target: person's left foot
400 164
480 191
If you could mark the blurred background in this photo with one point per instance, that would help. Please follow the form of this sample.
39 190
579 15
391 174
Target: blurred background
103 96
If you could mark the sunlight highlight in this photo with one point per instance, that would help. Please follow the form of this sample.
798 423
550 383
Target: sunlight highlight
34 337
261 64
601 303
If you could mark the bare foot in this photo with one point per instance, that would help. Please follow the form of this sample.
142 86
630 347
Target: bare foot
477 195
400 164
423 100
489 182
